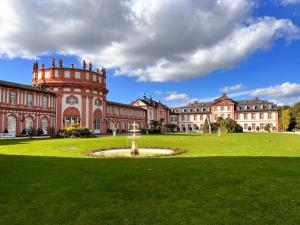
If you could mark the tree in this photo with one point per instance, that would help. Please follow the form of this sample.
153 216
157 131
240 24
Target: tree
296 113
171 127
228 125
268 127
155 124
280 125
206 126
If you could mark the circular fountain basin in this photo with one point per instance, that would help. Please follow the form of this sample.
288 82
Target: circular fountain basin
143 152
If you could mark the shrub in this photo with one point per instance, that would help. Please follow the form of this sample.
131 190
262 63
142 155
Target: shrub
39 132
74 131
151 131
5 131
249 128
24 132
51 131
30 132
257 128
171 127
268 127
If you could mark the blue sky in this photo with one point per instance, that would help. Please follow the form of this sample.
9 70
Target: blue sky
268 69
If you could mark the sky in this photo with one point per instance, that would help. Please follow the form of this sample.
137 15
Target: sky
175 51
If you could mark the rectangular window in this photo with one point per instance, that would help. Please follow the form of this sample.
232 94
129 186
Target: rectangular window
201 117
67 74
261 116
12 97
261 126
237 116
195 117
269 115
245 126
245 116
182 118
77 75
45 102
253 116
222 108
29 100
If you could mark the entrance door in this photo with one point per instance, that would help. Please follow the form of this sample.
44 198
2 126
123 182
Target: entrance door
97 125
12 125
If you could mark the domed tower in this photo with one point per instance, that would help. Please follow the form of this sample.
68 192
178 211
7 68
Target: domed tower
80 94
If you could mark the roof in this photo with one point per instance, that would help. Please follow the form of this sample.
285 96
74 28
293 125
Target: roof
153 103
24 87
239 103
124 105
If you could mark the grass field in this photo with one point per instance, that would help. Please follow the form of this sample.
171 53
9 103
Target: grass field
220 180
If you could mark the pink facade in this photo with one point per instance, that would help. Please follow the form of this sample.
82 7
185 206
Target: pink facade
22 106
74 96
252 115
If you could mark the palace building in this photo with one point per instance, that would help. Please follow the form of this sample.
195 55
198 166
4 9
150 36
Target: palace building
252 115
60 96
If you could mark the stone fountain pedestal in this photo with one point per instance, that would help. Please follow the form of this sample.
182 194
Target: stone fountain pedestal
134 147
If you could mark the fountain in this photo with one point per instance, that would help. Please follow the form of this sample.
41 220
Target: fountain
134 151
134 131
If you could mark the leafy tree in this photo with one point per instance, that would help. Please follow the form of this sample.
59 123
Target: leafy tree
155 124
206 126
171 127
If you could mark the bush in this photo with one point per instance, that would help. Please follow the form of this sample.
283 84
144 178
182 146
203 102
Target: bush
257 128
171 127
5 131
24 132
74 131
151 131
268 127
51 131
227 126
249 128
39 132
30 132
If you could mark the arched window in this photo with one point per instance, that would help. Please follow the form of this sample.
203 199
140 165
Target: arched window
28 122
12 125
44 125
72 100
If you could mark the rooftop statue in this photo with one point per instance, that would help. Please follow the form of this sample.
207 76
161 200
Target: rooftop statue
53 62
90 66
83 65
103 70
60 62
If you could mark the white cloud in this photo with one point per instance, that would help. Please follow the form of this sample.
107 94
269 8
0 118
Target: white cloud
177 97
234 88
158 92
285 93
289 2
156 40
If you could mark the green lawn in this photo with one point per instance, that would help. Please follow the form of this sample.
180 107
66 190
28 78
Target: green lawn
220 180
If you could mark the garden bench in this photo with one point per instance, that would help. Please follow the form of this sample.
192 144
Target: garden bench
6 136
